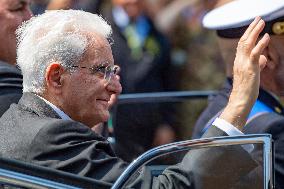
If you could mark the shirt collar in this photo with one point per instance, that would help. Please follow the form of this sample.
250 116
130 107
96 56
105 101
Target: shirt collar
63 115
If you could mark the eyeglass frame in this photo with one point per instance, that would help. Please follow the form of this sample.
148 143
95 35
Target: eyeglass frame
113 70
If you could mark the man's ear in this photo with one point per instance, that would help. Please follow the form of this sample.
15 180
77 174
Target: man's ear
53 76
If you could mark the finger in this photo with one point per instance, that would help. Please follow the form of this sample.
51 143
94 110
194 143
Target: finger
262 44
258 49
253 36
250 28
117 77
113 99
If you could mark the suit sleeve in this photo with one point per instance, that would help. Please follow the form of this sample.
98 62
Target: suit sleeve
271 124
72 147
277 131
275 127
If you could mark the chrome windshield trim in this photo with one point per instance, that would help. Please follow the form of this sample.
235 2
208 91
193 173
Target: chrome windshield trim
204 143
158 97
23 180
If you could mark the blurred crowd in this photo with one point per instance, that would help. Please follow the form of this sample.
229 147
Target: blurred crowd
160 46
54 114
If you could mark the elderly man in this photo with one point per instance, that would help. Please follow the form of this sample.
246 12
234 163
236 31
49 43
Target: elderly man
12 14
68 79
267 113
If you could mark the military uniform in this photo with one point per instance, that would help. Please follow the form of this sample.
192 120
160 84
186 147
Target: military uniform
230 21
218 101
260 121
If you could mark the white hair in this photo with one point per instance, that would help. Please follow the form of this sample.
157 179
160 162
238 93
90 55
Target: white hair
54 36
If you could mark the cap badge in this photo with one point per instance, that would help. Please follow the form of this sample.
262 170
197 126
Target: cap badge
278 28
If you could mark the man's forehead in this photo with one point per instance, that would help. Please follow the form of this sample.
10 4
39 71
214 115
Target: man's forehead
103 54
96 39
100 45
98 48
99 54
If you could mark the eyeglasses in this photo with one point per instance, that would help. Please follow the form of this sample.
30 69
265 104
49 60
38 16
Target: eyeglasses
108 71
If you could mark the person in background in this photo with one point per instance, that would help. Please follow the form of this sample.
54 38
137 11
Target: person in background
143 54
12 14
60 4
86 5
266 116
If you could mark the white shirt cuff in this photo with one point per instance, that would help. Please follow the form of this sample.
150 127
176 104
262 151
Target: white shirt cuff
230 130
227 127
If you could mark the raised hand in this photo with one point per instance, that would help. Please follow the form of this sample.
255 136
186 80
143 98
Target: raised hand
248 63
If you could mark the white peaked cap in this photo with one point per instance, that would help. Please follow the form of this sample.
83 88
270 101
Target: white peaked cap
240 13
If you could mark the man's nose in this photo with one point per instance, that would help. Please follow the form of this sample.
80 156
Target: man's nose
114 86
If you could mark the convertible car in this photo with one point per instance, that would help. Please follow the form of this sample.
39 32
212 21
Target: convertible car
16 174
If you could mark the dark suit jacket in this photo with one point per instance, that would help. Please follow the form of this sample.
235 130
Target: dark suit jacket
10 86
272 123
32 132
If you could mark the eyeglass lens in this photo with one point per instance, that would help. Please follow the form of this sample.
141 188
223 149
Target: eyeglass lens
109 72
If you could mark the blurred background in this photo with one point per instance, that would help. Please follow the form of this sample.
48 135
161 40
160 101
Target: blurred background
160 46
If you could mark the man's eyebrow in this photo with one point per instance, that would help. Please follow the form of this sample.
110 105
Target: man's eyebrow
104 63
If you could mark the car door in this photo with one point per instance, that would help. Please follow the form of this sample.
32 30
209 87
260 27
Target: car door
155 165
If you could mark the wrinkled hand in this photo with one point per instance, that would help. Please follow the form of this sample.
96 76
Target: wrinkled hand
248 63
